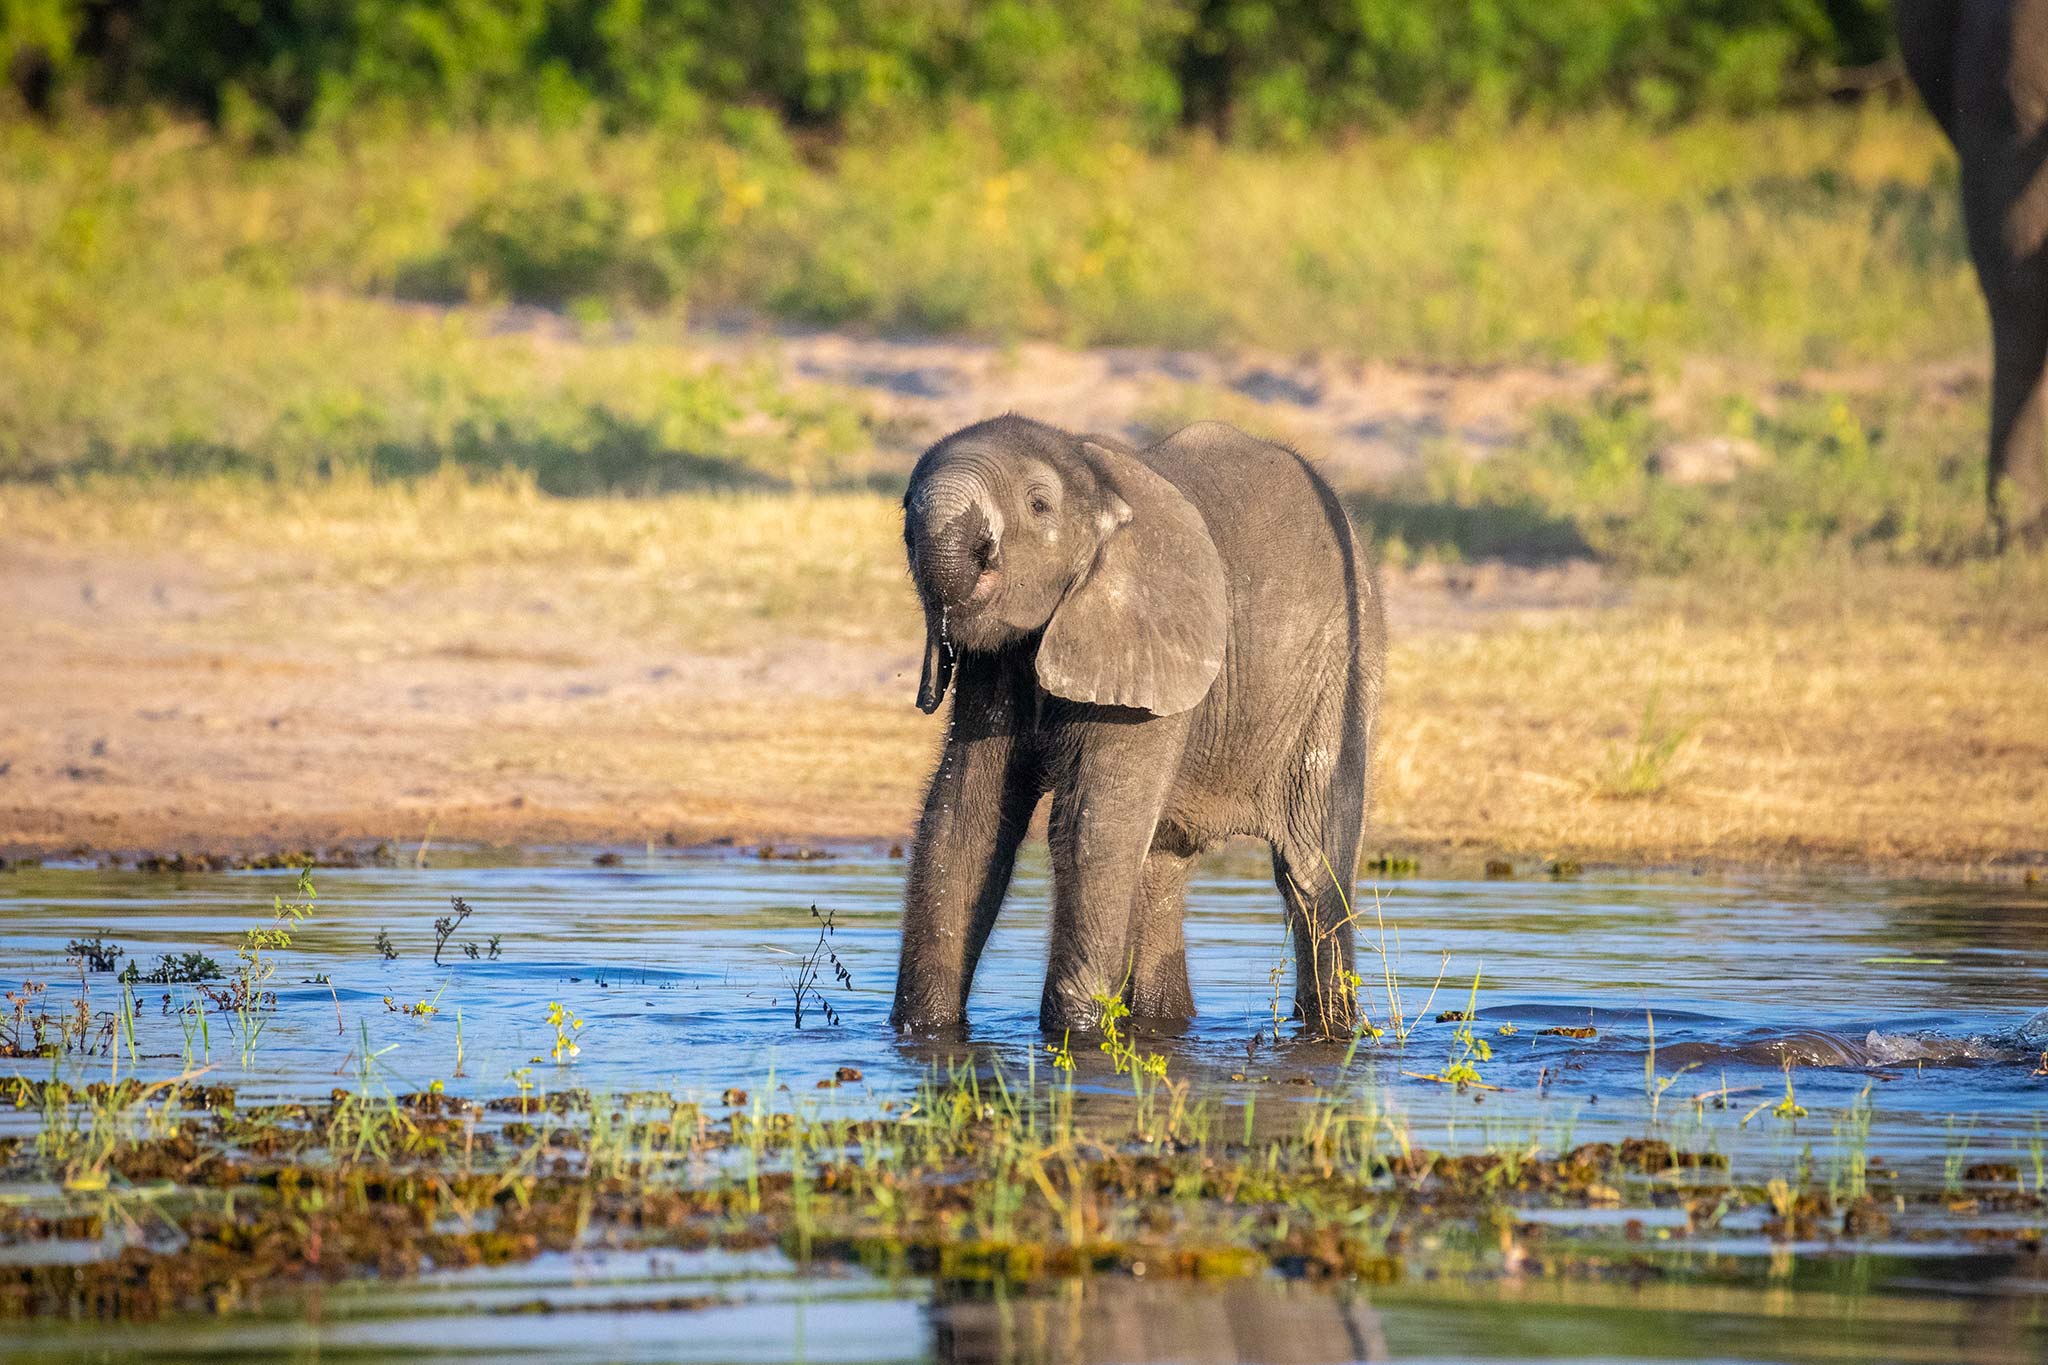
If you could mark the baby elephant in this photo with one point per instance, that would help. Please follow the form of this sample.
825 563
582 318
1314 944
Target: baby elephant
1181 644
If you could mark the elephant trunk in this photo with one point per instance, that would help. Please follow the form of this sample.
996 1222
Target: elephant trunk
955 538
954 534
956 555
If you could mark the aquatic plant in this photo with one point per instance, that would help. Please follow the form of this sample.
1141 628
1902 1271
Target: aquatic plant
522 1077
1111 1010
1849 1166
1655 1085
96 954
1461 1068
803 982
32 1029
247 994
1955 1153
976 1176
566 1027
446 925
189 968
192 1022
1787 1107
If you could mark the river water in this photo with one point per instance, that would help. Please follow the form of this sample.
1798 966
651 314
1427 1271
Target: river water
681 964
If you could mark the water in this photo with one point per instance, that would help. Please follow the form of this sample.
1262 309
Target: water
751 1310
680 965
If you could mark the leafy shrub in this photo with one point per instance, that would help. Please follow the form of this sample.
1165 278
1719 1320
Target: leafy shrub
1272 69
546 246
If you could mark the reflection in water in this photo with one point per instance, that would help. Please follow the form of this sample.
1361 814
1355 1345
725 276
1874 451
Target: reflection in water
1983 1310
757 1307
1116 1319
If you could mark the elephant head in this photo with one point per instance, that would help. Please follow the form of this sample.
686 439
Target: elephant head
1017 529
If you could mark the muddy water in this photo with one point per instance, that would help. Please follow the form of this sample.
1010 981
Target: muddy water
681 967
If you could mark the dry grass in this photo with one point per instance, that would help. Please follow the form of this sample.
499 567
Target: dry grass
715 571
1853 715
377 660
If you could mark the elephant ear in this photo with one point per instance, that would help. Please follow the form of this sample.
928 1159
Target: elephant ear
1146 624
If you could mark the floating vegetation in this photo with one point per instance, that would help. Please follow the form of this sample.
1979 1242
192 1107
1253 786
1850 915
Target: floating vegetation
801 853
181 969
96 954
981 1174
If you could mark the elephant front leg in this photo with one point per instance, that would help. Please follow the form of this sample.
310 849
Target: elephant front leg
1159 986
1106 806
975 815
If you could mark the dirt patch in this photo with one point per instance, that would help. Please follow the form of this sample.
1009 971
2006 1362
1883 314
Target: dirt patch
1365 424
159 703
245 668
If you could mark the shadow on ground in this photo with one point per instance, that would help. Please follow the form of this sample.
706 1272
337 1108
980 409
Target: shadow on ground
601 453
1518 533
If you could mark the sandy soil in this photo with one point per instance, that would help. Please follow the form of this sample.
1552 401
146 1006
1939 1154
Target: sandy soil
1363 424
149 710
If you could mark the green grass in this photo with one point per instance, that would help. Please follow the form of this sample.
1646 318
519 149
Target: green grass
980 1175
1648 765
182 307
1826 237
178 306
1893 471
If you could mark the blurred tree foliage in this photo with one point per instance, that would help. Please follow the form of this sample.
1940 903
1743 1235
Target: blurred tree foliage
1254 70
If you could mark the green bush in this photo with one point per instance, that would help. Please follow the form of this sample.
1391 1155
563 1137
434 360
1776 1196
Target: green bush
547 246
1270 70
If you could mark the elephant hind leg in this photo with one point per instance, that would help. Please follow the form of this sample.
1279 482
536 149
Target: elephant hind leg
1315 855
1314 873
2017 482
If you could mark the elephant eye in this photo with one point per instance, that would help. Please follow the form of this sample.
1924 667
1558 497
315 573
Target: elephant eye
1040 504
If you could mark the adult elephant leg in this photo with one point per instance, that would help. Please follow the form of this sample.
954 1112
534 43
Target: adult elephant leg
1116 768
2017 479
1158 943
2001 139
975 814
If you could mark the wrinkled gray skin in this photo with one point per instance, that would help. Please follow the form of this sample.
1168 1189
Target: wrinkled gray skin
1982 68
1179 644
